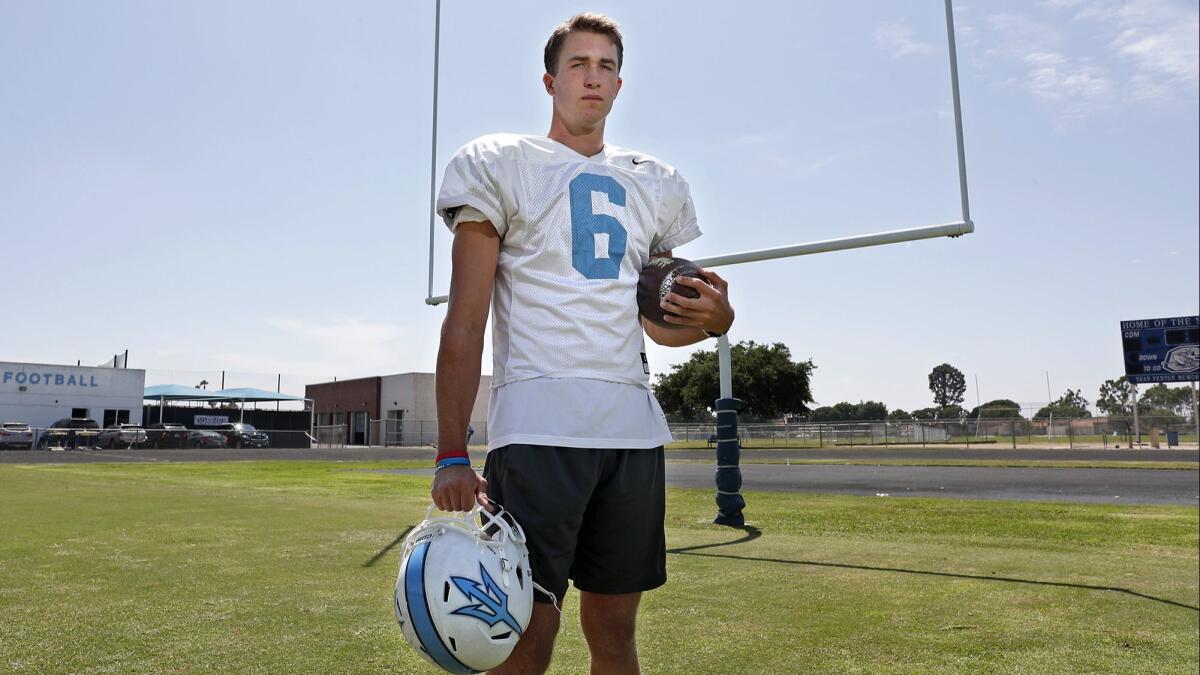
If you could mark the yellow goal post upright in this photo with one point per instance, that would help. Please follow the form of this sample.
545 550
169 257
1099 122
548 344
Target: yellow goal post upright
730 502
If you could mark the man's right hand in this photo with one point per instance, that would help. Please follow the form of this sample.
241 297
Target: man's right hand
457 488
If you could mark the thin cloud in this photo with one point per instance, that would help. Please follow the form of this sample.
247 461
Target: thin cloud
966 35
771 150
336 345
814 166
800 166
1054 77
751 139
897 40
1160 40
1017 35
1163 44
1077 86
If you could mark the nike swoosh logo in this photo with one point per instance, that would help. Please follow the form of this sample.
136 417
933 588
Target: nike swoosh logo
636 161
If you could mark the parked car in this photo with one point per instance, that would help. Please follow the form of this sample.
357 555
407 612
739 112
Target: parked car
122 435
242 435
70 433
16 436
166 435
171 435
202 438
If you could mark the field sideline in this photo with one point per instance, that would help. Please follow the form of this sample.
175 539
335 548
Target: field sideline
287 567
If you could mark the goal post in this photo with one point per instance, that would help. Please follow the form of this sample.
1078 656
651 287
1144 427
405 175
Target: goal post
729 499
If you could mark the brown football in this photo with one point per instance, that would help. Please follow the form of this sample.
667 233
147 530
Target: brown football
659 278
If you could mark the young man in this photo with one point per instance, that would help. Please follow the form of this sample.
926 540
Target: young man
553 232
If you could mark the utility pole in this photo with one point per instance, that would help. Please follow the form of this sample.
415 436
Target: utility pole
1049 401
1137 427
1195 413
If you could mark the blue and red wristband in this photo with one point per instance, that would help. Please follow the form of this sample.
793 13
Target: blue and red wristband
452 461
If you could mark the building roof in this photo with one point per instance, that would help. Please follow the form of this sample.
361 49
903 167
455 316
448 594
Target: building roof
182 392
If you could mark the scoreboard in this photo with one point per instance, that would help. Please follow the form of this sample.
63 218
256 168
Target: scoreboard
1162 350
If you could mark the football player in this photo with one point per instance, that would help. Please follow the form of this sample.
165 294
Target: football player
552 232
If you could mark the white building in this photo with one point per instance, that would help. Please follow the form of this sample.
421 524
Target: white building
408 402
396 409
40 394
414 396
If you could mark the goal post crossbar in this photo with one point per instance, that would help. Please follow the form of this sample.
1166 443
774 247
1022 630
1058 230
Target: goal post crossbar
955 229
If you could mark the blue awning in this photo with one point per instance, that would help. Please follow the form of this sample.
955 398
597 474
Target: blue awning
179 392
249 394
182 392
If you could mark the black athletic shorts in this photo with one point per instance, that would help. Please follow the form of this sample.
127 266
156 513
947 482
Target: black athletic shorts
591 515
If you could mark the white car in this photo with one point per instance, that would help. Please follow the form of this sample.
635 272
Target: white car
122 436
16 436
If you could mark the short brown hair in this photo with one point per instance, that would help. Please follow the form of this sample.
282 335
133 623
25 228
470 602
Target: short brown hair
587 22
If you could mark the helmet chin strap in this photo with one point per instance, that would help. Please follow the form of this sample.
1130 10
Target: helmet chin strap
553 599
518 533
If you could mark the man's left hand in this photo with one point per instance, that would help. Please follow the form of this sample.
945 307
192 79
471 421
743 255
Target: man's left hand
710 312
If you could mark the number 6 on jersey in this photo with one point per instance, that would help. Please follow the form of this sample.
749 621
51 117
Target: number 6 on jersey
597 239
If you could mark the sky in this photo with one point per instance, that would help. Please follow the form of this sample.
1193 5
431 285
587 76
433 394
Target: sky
244 187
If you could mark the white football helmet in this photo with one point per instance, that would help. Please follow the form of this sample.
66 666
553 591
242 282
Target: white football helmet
464 593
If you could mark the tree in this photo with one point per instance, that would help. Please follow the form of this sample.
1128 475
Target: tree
1116 398
826 413
1165 405
1158 401
999 409
846 411
950 412
1070 404
947 384
1176 401
899 415
872 410
764 377
850 412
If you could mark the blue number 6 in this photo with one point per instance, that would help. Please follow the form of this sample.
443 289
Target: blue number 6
585 225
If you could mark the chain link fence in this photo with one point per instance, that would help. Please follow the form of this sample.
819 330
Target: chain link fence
394 432
1090 432
330 435
136 437
1084 432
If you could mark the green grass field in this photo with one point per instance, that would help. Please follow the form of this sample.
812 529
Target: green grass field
288 567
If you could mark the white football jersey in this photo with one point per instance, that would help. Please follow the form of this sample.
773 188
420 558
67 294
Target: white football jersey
575 233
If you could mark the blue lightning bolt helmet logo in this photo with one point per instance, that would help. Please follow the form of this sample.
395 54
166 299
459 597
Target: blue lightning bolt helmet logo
491 603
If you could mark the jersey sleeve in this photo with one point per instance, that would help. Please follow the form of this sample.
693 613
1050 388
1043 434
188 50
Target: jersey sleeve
467 214
475 178
676 217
